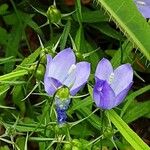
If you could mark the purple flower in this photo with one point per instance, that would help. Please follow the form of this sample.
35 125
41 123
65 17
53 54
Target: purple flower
144 7
111 86
61 113
63 71
61 107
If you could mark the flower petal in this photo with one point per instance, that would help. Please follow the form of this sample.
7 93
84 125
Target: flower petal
61 64
121 96
144 7
70 79
82 75
46 79
50 84
61 108
49 58
123 76
104 70
103 95
61 116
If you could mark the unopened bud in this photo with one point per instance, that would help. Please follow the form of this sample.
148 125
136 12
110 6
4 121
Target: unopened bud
40 72
77 144
53 14
108 132
63 93
79 56
67 146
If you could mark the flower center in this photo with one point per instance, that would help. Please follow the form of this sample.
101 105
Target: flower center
100 88
111 78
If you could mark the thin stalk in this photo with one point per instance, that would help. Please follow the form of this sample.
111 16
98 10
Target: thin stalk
102 122
51 31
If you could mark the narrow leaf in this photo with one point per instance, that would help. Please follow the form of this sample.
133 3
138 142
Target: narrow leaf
135 141
127 17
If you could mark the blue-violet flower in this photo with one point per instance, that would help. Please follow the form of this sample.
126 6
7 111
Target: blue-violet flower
111 86
63 74
144 7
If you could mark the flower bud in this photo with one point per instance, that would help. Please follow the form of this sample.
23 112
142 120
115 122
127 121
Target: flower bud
63 93
67 146
77 144
79 56
3 8
40 72
43 58
108 132
31 69
10 131
62 101
53 14
74 145
75 148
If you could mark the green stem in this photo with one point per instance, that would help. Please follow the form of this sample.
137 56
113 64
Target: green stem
102 121
51 31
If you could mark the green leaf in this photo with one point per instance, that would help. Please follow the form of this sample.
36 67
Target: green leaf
3 9
79 39
125 14
17 96
4 37
13 45
81 104
89 16
30 59
26 127
94 120
78 11
13 75
4 148
90 89
65 34
122 54
10 19
20 141
132 96
135 141
137 111
35 26
81 130
8 60
83 46
106 29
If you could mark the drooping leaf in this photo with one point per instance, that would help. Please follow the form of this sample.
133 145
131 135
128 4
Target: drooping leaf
136 111
135 141
127 17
